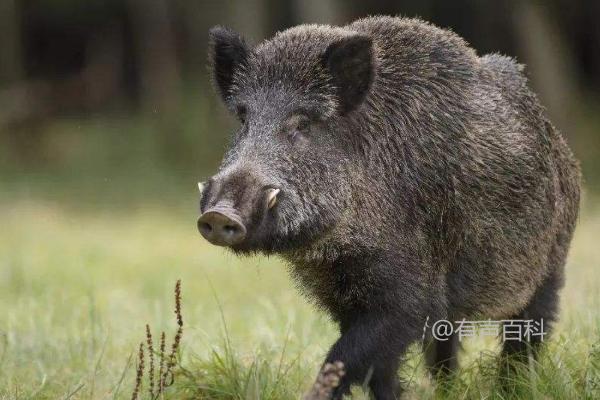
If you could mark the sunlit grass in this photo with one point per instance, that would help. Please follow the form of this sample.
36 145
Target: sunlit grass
77 287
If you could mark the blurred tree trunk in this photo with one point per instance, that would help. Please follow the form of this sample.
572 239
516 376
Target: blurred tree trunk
549 64
319 11
160 81
196 19
155 48
11 67
250 18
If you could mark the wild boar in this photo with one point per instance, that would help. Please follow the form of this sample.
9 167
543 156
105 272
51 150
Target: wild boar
403 177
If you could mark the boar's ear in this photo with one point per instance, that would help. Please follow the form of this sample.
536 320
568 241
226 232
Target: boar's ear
227 52
350 63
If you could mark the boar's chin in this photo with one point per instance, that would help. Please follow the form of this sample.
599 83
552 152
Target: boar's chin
271 243
254 248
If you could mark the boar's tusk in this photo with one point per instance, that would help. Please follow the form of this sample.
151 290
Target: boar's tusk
272 197
201 186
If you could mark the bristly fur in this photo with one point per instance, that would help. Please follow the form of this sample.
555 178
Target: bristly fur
436 187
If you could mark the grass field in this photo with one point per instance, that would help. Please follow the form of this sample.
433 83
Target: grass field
78 285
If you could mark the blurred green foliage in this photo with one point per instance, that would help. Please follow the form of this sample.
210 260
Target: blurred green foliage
109 98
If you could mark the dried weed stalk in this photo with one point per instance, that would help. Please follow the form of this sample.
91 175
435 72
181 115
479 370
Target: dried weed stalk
139 375
157 383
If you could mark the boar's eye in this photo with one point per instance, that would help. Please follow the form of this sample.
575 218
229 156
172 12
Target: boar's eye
303 125
299 127
242 113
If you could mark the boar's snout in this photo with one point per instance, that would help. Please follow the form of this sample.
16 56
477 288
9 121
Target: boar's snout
222 226
236 207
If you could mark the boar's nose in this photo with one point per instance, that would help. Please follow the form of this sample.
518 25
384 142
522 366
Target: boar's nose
221 226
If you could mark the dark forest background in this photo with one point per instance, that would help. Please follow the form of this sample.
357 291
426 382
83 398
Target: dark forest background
114 95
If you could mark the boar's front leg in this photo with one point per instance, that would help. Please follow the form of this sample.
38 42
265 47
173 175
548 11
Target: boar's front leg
374 339
370 350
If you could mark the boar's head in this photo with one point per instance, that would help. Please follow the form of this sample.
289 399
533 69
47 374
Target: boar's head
286 179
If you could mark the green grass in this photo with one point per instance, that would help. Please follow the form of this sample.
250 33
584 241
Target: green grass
78 285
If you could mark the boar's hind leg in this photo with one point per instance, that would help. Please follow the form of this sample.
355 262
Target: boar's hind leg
543 306
441 356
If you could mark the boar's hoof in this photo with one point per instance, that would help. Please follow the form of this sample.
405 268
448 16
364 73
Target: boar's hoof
327 380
